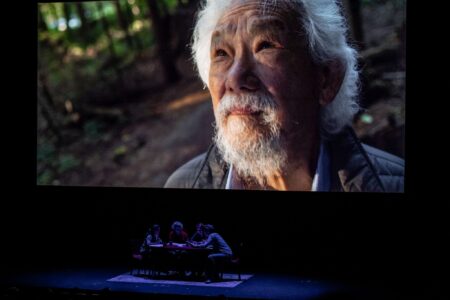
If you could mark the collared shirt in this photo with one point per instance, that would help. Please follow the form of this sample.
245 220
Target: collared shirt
321 181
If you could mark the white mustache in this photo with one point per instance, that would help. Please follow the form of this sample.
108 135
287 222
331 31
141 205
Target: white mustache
251 102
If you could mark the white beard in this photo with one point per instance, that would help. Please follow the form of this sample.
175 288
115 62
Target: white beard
252 144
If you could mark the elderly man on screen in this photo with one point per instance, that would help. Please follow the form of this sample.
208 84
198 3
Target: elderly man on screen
284 86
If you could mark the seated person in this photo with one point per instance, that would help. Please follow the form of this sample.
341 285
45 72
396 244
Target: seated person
196 260
221 252
198 236
152 238
178 235
177 256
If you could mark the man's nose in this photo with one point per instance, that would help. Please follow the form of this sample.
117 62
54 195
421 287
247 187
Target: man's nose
241 76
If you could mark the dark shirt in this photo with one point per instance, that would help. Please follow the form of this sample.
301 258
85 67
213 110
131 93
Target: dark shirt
149 240
181 238
197 237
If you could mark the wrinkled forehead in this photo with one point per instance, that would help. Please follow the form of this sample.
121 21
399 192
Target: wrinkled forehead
275 14
263 6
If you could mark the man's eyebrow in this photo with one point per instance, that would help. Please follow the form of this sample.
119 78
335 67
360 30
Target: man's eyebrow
221 31
261 26
266 25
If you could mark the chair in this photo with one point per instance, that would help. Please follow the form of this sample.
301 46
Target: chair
234 263
137 264
137 261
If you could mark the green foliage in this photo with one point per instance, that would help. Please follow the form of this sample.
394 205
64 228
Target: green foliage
171 5
92 12
67 58
121 48
67 162
145 36
52 164
45 178
92 129
121 150
45 153
119 153
73 51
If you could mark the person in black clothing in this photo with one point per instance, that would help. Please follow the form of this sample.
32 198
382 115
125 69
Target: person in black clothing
177 257
196 260
199 235
152 238
145 255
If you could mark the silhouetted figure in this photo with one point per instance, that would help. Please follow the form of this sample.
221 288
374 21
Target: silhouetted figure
221 252
199 235
152 238
178 235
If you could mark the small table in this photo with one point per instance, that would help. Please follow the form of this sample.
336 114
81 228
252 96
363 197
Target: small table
179 257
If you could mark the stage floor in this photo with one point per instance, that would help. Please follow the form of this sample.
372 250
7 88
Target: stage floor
254 286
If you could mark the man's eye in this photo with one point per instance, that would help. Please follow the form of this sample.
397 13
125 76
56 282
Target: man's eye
220 52
265 45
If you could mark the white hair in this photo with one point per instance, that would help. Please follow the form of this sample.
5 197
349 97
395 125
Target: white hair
326 30
177 223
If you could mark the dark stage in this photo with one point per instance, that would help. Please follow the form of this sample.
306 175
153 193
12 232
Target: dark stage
295 250
93 282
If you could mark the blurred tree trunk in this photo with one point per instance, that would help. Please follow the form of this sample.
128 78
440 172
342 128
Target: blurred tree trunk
162 30
66 10
85 26
113 60
105 26
353 8
42 23
48 107
182 20
53 11
123 23
59 45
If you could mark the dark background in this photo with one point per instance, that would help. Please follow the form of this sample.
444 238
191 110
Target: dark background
355 237
389 240
359 236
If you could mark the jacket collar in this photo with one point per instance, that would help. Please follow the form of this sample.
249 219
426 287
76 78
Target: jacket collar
351 169
212 174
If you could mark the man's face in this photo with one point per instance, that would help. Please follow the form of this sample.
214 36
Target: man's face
177 229
262 80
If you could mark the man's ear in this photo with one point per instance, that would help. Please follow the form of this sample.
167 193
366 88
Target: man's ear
331 77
